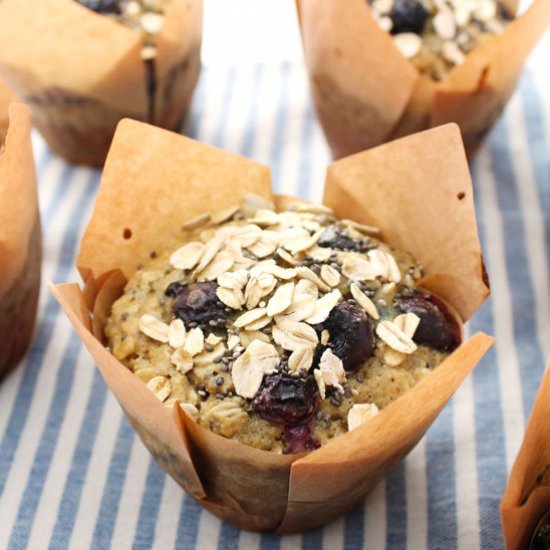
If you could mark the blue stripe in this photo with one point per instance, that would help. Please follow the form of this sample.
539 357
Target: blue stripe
354 528
270 541
150 505
46 447
312 540
489 422
41 342
278 144
529 354
441 482
188 524
72 491
229 537
106 518
396 507
247 144
219 136
306 149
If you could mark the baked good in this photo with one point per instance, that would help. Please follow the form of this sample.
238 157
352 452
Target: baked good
83 65
279 330
20 240
374 189
436 35
525 505
367 92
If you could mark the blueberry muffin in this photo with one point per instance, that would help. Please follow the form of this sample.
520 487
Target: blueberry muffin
83 65
436 35
279 330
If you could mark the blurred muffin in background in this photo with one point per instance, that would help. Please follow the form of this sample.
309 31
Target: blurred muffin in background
81 66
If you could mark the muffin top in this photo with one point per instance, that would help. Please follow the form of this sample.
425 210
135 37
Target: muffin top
280 330
436 35
145 16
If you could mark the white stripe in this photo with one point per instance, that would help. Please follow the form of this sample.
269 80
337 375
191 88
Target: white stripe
417 497
291 542
268 102
320 160
375 518
95 482
464 430
60 465
239 107
213 105
532 218
167 528
295 117
208 532
131 498
249 541
510 382
333 534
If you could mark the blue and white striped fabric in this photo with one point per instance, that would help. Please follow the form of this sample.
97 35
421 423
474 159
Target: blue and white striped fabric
74 475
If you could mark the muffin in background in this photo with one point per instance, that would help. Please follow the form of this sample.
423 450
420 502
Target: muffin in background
81 66
20 240
366 92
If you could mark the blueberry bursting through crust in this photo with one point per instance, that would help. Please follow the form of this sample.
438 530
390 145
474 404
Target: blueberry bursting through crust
280 330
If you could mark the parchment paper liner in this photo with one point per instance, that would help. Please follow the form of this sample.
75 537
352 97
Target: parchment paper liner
6 97
522 507
81 72
20 240
247 487
366 93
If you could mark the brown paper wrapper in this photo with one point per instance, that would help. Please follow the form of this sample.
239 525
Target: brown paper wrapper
366 93
247 487
526 500
6 97
20 240
81 72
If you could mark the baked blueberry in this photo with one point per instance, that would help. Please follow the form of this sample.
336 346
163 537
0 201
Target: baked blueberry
436 328
299 439
351 335
102 6
197 303
286 400
408 16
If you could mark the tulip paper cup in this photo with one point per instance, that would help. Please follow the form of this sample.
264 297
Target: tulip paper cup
366 92
527 496
20 241
436 223
81 72
6 97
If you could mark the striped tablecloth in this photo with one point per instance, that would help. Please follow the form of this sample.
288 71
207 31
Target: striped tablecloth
73 473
